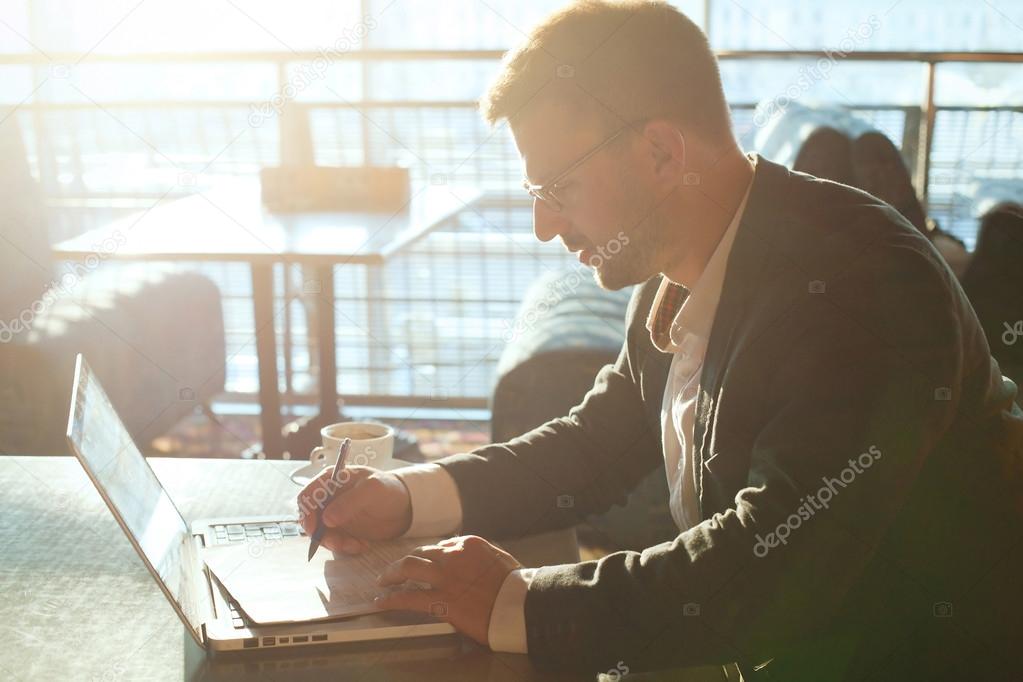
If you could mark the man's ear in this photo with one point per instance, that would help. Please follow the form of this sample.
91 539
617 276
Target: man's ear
667 149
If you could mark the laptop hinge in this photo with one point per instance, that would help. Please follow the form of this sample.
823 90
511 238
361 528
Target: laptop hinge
207 609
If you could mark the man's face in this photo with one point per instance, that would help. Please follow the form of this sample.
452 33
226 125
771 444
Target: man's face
608 204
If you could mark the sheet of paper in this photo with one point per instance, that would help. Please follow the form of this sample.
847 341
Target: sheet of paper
273 583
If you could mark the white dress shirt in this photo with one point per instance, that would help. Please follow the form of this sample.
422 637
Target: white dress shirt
686 339
437 509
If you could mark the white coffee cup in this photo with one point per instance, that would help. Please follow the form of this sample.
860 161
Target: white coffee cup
372 446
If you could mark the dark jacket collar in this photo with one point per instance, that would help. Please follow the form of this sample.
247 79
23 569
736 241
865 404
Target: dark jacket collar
754 241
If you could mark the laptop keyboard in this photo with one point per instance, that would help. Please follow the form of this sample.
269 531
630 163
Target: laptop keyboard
240 532
274 532
248 532
236 616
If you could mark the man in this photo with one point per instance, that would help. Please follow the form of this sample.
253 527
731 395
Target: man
841 451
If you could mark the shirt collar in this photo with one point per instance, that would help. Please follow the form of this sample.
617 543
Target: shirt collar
674 314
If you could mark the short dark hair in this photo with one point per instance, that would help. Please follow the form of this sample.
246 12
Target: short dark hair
624 61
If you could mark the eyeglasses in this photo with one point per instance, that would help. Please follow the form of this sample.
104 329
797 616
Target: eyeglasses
547 192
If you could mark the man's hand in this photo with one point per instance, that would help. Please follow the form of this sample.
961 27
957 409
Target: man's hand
465 574
368 504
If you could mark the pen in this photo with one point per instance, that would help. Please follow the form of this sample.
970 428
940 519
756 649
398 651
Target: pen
321 528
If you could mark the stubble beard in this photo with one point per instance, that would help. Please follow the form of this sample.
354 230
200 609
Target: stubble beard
638 260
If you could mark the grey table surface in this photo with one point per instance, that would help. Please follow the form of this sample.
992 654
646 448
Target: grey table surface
78 604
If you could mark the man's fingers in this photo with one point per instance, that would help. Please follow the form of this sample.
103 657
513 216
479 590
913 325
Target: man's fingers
314 497
343 542
424 601
411 568
431 552
347 505
320 483
307 516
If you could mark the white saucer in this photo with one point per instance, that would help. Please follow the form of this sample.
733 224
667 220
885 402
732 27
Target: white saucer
307 472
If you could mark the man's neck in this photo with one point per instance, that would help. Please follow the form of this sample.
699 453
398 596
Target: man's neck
710 208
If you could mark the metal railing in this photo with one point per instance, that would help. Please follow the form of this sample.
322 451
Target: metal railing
281 61
434 137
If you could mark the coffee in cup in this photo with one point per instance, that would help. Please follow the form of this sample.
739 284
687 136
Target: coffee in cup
372 446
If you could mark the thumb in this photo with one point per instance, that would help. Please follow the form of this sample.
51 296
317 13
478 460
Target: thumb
424 601
348 504
340 541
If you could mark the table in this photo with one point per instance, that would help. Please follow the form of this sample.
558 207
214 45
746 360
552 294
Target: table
79 605
230 224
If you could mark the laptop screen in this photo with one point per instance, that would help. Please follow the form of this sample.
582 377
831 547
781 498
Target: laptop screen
131 490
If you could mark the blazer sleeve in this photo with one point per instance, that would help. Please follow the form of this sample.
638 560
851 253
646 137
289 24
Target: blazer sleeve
572 466
867 376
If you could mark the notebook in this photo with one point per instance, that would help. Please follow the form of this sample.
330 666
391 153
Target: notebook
272 582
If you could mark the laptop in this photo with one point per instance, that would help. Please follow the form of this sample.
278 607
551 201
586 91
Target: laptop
172 548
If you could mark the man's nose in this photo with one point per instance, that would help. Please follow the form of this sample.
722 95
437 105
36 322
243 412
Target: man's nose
547 223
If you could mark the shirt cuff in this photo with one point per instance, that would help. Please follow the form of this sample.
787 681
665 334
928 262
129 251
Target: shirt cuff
507 629
436 506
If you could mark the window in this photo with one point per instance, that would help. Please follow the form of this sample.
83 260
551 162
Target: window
158 90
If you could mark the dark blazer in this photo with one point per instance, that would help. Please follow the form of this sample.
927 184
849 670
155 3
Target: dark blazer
845 356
